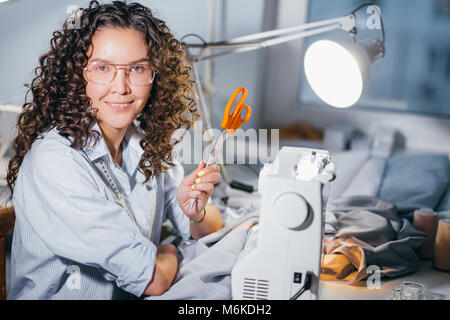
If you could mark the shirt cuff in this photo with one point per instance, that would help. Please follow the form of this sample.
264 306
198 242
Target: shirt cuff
140 270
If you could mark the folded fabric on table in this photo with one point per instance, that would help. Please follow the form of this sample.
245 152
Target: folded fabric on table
359 173
365 231
204 267
348 164
413 181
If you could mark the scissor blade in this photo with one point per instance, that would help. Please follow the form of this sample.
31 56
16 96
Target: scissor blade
217 145
212 157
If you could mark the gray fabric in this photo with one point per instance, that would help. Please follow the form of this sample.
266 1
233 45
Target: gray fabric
410 181
415 181
367 181
348 163
444 203
205 265
387 241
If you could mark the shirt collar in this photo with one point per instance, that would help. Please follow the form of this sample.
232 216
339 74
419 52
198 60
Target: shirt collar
132 151
100 149
133 136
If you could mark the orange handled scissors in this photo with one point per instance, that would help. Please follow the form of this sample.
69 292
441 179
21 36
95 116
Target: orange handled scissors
234 121
230 124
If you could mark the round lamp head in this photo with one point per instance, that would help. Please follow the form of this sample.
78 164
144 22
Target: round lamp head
337 74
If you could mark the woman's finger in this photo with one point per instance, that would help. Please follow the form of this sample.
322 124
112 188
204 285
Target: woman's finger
209 178
201 171
205 187
194 194
190 178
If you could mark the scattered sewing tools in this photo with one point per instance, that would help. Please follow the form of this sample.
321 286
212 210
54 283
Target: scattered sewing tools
230 124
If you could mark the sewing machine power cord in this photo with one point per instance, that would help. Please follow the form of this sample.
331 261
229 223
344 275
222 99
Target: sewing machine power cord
306 286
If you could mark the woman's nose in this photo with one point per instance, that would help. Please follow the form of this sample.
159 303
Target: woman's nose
120 83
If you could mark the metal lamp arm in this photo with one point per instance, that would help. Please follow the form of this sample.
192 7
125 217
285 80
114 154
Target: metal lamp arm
274 37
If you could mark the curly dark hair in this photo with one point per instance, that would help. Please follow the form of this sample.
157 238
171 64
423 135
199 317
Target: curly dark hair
59 88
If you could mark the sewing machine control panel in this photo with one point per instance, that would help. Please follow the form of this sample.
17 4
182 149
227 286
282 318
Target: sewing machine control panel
297 277
298 281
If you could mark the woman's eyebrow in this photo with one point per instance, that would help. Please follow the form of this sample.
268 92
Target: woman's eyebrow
132 62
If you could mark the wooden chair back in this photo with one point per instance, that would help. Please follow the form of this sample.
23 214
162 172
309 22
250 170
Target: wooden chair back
7 219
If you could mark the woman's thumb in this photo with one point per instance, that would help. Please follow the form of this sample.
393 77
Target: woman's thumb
201 165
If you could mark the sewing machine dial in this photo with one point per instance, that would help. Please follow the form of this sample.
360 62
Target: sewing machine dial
291 210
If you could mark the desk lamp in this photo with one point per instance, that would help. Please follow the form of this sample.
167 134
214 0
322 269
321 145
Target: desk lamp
337 73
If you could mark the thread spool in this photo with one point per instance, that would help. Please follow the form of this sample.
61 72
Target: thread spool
441 258
425 220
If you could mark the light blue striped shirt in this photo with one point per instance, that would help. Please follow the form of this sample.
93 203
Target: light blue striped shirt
72 239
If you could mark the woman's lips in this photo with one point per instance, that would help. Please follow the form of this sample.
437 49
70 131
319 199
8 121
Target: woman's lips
116 106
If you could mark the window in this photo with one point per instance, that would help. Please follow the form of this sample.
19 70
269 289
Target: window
414 75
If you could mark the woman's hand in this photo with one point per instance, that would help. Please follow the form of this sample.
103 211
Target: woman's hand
197 185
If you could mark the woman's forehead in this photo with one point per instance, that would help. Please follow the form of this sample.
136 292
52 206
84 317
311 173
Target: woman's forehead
122 46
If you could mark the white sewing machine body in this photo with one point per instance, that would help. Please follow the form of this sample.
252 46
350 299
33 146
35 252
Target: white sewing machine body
289 242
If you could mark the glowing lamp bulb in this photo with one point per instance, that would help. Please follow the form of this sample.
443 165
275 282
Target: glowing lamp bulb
336 74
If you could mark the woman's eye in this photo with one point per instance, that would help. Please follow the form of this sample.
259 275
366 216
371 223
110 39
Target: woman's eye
138 68
102 68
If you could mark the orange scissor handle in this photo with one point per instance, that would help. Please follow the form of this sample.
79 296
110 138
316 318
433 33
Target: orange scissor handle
233 122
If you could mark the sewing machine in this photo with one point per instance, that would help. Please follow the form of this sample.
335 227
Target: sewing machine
285 261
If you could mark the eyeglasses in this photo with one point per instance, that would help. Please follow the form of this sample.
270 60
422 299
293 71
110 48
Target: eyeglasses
140 74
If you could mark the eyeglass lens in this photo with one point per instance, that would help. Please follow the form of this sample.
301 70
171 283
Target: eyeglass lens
104 73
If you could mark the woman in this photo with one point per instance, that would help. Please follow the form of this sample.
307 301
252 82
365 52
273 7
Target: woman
93 175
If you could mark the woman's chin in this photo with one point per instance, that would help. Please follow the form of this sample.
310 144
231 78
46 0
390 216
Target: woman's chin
118 124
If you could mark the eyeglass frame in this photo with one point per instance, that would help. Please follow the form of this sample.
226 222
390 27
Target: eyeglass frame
118 66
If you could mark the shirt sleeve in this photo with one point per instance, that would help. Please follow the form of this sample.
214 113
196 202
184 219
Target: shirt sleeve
172 210
75 220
